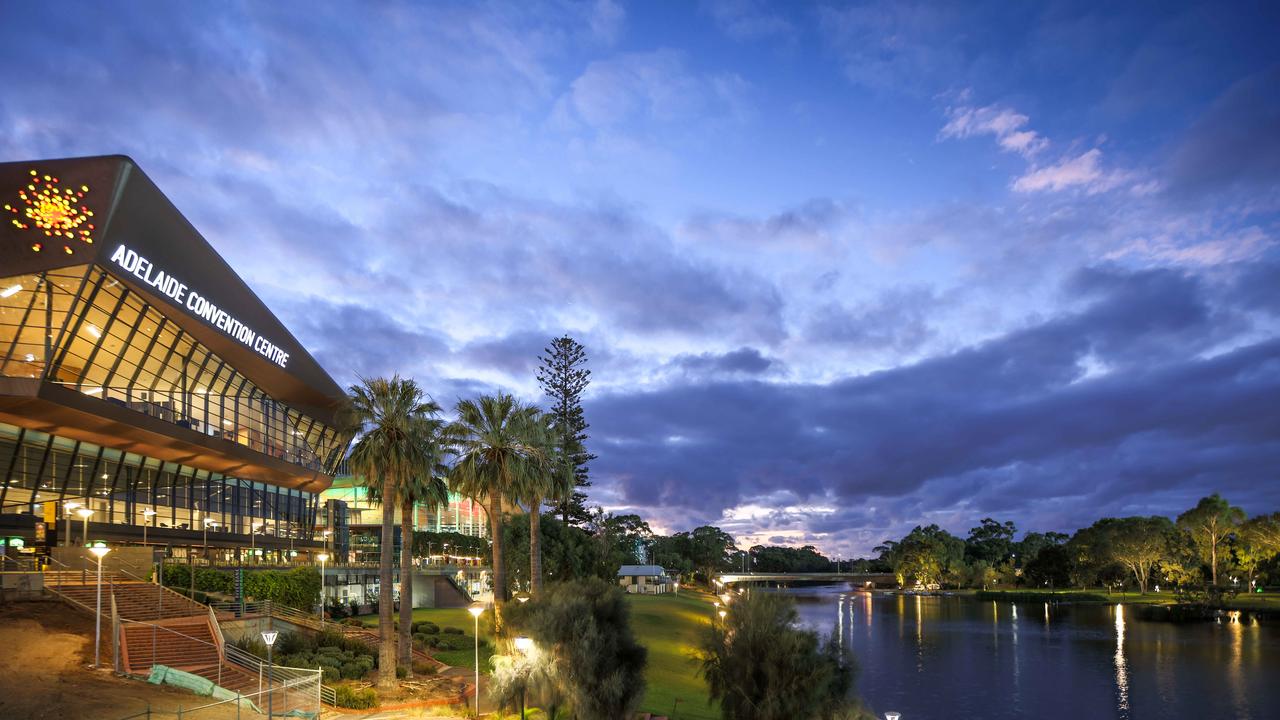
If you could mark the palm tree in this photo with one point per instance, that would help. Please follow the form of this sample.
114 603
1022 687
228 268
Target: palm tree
389 415
426 489
493 459
552 478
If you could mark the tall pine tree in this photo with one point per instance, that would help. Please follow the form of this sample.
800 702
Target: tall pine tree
563 376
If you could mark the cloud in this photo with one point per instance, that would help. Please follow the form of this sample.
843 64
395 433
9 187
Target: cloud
898 320
1083 171
743 361
1019 411
1235 143
651 87
1007 125
607 18
748 19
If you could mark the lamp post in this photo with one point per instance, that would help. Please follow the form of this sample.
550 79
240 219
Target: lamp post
446 553
524 645
323 558
99 551
475 609
892 716
85 512
146 520
269 637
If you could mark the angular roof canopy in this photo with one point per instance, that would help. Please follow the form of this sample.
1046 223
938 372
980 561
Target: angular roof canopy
106 211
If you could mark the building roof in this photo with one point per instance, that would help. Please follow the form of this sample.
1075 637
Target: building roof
125 208
644 570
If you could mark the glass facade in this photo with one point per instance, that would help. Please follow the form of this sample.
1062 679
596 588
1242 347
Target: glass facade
121 487
83 329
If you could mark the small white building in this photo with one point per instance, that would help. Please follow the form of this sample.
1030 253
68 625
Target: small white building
644 579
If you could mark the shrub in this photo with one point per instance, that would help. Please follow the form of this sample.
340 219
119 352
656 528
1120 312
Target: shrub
422 667
330 674
402 672
292 643
426 626
355 698
452 631
252 645
352 671
353 622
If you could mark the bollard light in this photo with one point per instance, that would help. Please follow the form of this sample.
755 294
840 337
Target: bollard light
475 609
269 637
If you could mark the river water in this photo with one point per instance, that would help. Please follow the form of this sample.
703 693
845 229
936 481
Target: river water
940 657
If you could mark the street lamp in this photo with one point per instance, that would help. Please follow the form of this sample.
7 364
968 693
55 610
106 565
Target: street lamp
524 645
98 551
475 609
269 637
323 558
85 512
892 716
146 520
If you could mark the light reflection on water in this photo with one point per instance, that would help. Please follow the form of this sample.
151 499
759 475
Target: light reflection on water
963 658
1122 673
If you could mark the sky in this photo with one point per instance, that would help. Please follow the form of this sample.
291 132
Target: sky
840 268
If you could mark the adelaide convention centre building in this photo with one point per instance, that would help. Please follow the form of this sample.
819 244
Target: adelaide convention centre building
145 391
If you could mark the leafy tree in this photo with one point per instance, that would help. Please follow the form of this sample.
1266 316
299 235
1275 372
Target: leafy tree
583 629
563 377
1210 523
760 665
674 553
389 451
788 559
494 458
1257 542
1140 544
568 552
711 550
927 556
991 541
1033 542
1051 566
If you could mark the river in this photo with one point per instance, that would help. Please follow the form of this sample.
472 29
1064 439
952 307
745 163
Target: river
949 657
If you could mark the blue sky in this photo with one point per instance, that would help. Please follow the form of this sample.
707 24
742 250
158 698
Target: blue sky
841 268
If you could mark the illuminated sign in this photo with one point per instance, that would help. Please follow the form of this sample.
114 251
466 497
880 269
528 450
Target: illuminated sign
143 269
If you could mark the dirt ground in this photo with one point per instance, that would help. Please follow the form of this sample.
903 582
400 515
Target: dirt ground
46 650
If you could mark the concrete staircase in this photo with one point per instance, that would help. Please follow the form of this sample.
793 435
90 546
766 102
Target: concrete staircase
183 643
135 600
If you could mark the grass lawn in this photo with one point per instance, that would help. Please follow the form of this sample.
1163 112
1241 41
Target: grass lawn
458 618
669 626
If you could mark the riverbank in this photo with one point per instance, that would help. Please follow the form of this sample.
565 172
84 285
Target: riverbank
1267 604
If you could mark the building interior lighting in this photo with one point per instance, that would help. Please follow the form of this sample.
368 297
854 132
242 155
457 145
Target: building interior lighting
93 330
10 291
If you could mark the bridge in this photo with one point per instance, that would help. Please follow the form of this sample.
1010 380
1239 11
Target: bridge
834 577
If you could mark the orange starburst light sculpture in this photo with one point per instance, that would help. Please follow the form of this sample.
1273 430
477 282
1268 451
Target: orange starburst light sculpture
46 207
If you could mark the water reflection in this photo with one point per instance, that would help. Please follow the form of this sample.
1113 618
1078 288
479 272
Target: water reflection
1084 661
1122 670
